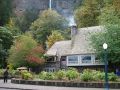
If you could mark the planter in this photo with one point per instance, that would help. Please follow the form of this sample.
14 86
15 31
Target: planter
115 85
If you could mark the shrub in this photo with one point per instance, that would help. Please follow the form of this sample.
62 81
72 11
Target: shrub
101 76
93 75
1 72
14 73
42 75
26 75
87 75
61 74
112 77
98 75
72 74
50 76
46 75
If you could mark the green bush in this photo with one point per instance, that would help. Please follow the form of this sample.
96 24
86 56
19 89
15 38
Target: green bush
46 75
61 74
43 75
112 77
26 75
72 74
93 75
98 75
101 76
1 72
14 73
87 75
50 76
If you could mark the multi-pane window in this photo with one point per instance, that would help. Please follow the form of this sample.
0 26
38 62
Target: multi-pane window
72 59
80 60
86 59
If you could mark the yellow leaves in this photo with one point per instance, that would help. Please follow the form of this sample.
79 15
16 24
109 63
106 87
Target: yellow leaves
11 23
54 37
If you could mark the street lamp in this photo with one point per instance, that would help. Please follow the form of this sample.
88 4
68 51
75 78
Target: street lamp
106 66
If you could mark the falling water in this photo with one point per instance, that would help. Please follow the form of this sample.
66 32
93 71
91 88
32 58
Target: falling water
50 4
71 20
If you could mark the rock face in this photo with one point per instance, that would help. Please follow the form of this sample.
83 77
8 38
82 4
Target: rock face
64 7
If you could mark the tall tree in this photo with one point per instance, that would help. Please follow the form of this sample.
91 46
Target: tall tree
86 15
111 35
6 40
5 11
24 21
48 21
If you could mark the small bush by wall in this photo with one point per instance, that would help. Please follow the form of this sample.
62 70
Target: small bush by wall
46 75
93 75
72 74
1 72
61 75
26 75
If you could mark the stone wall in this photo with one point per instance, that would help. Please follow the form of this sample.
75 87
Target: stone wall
115 85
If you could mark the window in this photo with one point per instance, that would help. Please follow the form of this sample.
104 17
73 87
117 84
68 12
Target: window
72 59
86 59
51 59
49 69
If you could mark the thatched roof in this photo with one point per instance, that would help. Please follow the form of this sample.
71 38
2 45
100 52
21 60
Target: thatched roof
79 45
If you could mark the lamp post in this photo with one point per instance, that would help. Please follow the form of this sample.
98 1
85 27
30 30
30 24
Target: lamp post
106 66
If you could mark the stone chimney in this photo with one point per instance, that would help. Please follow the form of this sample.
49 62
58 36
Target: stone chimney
73 33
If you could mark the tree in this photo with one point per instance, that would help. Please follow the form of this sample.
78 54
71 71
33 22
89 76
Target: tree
86 15
24 21
36 56
21 49
54 37
111 35
48 21
14 29
5 11
6 40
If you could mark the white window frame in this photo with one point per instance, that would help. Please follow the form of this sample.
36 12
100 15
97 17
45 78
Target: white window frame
80 60
72 64
91 61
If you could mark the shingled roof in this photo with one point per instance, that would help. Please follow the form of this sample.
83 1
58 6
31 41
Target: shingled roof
61 48
79 45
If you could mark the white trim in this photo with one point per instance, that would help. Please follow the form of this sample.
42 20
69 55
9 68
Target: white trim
84 64
73 64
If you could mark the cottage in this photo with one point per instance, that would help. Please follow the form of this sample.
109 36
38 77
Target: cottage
76 52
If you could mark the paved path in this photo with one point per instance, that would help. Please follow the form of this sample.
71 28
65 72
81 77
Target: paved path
11 86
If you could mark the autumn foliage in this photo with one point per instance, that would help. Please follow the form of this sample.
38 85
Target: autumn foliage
26 52
36 55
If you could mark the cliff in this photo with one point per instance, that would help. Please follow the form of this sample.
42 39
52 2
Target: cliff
64 7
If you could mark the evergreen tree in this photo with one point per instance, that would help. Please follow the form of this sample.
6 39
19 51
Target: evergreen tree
5 11
6 40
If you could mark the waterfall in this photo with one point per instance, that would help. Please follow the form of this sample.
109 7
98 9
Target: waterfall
71 20
50 4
